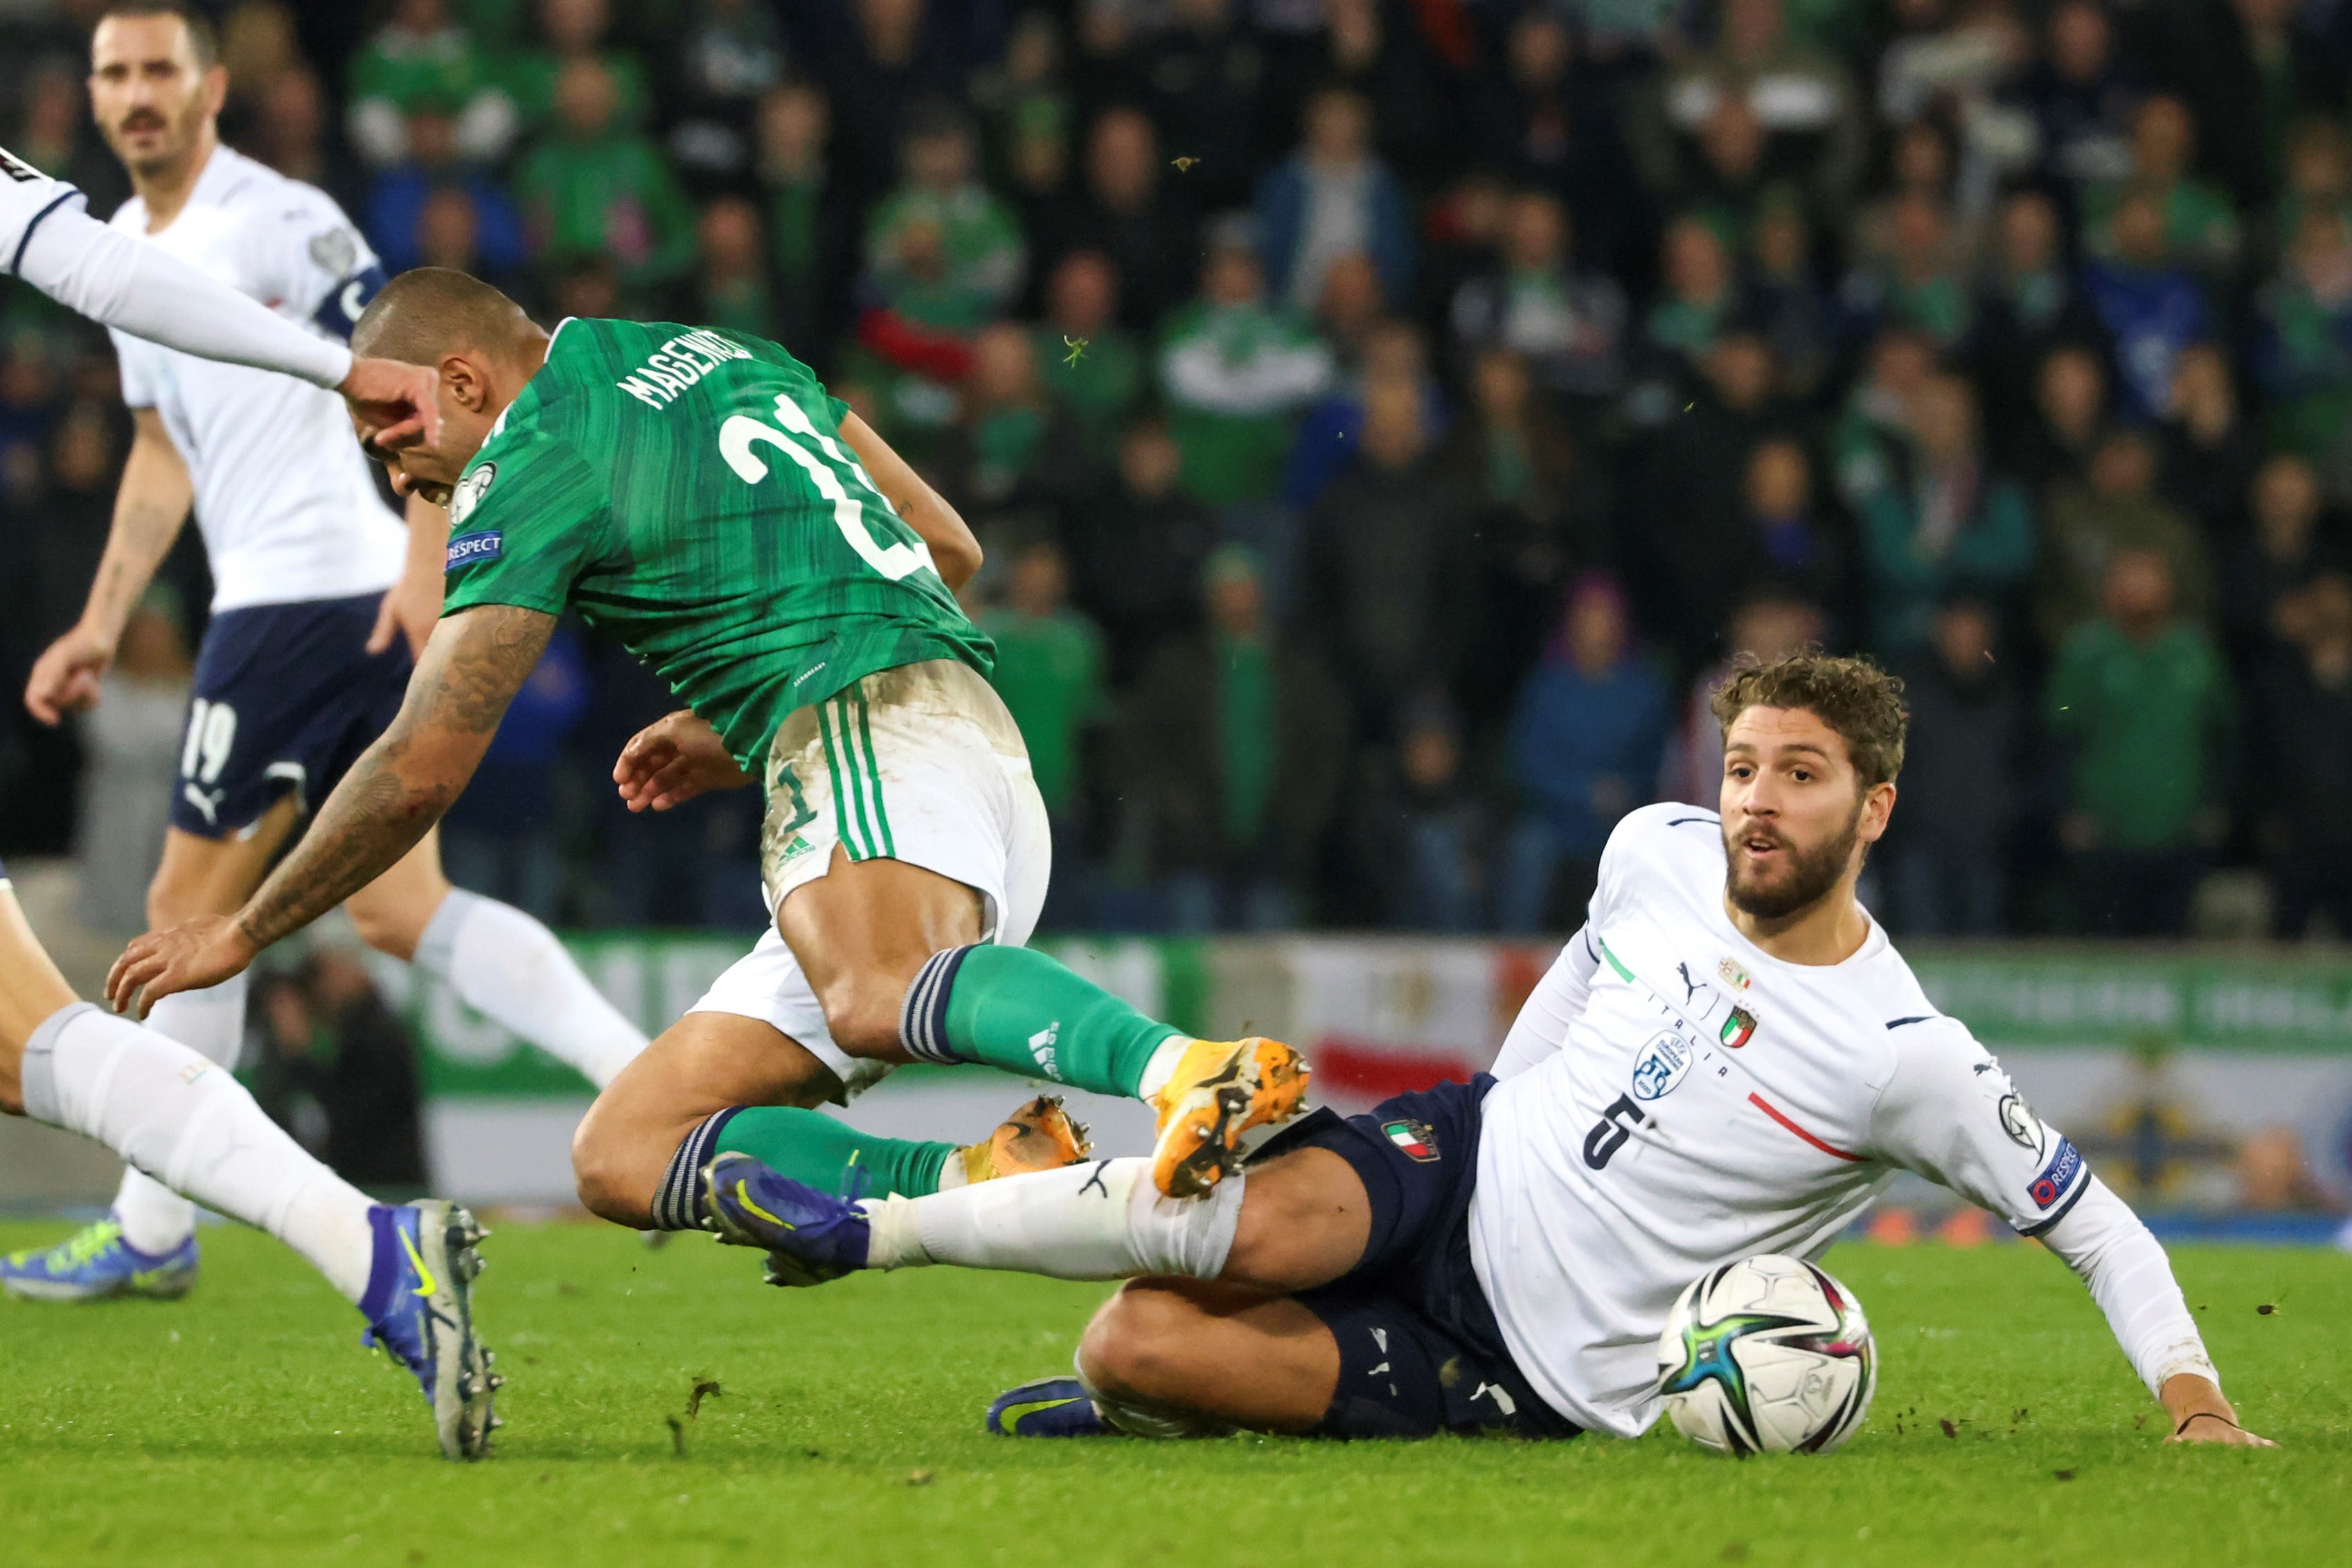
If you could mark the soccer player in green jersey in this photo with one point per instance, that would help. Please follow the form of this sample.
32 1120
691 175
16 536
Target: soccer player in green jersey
698 494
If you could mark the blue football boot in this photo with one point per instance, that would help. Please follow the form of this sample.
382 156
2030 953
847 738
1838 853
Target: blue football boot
1049 1407
96 1263
810 1236
419 1308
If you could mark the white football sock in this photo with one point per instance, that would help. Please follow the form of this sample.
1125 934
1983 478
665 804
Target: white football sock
211 1023
1101 1220
1162 1065
193 1128
511 970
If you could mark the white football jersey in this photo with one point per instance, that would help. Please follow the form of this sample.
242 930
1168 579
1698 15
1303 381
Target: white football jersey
287 507
1706 1101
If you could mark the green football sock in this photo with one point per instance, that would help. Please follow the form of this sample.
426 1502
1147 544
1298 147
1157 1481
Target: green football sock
828 1153
1015 1008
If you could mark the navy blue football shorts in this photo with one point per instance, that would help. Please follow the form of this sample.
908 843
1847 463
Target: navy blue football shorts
1420 1352
286 698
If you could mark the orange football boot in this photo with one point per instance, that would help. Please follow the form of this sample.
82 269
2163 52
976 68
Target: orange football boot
1039 1136
1220 1090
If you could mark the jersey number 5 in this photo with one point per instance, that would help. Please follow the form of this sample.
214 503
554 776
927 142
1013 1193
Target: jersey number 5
1609 1134
742 433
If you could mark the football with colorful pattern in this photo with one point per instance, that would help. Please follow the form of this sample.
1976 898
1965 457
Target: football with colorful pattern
1767 1355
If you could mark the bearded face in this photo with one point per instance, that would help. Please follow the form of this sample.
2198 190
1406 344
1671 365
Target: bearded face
1795 816
1771 876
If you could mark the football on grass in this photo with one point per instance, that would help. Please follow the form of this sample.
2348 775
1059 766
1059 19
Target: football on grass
1767 1355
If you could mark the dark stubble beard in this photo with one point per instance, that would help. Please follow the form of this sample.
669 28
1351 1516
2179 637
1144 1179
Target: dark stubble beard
1811 873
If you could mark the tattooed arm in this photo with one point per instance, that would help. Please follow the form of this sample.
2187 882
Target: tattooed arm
151 507
474 664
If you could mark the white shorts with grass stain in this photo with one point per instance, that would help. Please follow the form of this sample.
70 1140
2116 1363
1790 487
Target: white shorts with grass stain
922 763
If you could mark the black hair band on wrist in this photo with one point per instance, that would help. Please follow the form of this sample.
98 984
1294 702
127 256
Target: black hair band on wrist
2193 1414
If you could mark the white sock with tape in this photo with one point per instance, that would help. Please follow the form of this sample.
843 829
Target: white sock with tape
510 969
1100 1220
190 1125
211 1023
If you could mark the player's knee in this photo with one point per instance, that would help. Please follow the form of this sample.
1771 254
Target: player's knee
1137 1346
861 1013
612 1172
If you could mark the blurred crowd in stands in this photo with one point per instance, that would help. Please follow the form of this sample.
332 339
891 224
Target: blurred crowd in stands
1385 417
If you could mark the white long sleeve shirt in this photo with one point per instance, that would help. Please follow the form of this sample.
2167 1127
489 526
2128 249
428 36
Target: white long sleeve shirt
48 239
1674 1098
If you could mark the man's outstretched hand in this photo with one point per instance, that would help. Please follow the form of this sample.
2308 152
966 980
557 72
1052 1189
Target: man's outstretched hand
2200 1414
671 761
188 957
395 400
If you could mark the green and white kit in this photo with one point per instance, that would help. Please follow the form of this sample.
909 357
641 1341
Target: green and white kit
686 490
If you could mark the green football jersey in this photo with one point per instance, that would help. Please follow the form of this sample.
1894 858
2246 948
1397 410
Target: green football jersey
685 489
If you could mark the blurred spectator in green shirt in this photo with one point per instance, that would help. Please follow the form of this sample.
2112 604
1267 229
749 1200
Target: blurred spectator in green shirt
1025 102
2118 509
810 235
2303 355
940 250
572 30
2316 171
1947 524
1236 748
1236 371
594 187
1049 668
1918 278
421 57
1094 370
2200 224
2144 703
943 259
1008 458
1701 287
731 283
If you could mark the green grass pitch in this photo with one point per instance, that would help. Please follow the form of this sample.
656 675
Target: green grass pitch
244 1426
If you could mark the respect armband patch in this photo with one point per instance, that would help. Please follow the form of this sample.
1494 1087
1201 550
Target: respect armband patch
2058 1176
473 549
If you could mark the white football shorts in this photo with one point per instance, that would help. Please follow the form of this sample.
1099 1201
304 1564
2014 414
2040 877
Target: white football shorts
922 763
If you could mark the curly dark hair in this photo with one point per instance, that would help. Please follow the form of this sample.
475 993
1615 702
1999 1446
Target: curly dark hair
1852 696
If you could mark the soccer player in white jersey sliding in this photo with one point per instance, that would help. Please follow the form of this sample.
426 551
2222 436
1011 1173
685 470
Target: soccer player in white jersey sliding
408 1267
150 1099
319 598
1729 1058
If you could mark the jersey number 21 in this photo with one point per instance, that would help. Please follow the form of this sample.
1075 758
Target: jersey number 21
741 434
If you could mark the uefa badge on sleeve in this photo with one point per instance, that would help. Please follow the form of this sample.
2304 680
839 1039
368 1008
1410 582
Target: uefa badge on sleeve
469 492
